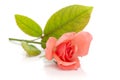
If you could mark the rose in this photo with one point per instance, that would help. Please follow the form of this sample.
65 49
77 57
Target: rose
67 48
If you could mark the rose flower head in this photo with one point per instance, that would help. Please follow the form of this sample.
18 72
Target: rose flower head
66 50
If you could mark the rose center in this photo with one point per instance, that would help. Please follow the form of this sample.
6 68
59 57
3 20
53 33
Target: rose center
65 51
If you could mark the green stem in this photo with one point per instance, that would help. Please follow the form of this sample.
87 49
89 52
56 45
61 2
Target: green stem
42 56
36 39
28 41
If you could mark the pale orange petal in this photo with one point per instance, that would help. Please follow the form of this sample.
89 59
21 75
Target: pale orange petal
70 67
75 64
59 61
65 37
50 45
82 41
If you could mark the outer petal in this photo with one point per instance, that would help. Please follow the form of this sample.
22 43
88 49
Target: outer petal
65 37
82 41
67 65
70 67
59 61
50 45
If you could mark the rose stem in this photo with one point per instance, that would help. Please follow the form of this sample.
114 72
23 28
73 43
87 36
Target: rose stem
28 41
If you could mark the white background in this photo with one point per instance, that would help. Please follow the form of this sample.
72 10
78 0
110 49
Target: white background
102 62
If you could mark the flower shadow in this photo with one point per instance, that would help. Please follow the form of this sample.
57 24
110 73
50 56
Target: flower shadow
52 71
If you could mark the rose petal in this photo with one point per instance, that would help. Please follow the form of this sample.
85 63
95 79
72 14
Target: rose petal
59 61
50 45
65 37
82 41
70 67
60 51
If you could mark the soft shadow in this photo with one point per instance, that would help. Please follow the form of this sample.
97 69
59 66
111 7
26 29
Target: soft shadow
52 70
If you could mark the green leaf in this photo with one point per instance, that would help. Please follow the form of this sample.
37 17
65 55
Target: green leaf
28 26
30 49
73 18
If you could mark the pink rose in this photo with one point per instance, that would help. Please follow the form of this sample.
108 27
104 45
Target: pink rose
67 48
